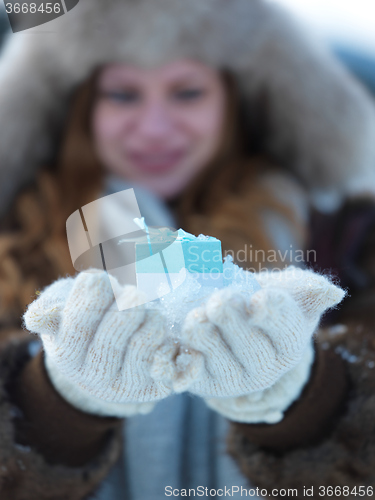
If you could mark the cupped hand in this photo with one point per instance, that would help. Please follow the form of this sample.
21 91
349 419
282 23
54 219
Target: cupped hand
241 345
92 349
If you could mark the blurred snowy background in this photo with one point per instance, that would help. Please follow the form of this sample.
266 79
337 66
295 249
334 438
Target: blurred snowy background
348 27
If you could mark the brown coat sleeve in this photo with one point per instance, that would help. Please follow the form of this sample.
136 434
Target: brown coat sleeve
327 437
48 449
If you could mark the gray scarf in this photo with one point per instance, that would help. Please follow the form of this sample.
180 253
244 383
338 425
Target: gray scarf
181 443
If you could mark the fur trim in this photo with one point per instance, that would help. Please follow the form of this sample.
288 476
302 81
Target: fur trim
321 123
345 455
26 473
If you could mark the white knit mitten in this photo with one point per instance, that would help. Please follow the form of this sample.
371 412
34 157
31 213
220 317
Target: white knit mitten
99 358
268 406
260 347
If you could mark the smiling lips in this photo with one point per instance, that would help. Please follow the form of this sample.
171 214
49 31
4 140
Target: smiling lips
156 163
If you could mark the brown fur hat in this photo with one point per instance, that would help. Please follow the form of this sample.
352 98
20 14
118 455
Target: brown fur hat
320 123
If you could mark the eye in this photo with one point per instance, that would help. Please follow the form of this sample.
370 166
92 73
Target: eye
121 96
187 95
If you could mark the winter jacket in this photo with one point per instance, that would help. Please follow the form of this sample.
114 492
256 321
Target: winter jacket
51 450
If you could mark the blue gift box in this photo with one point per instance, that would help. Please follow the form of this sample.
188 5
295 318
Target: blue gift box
200 256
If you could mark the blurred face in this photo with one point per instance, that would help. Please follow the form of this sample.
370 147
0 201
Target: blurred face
158 127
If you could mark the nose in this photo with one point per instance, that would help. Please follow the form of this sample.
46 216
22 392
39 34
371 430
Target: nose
155 121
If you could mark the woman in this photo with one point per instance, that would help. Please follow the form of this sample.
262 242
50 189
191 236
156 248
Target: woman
163 118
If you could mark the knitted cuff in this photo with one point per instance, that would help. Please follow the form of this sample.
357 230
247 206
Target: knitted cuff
82 400
269 405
